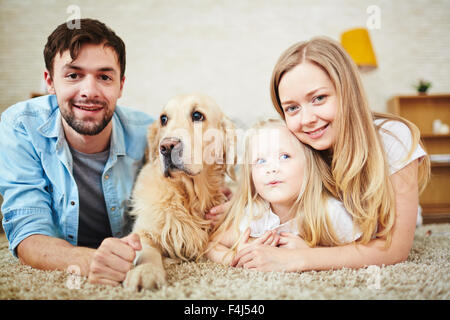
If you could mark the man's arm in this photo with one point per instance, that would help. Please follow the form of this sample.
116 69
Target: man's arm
48 253
108 264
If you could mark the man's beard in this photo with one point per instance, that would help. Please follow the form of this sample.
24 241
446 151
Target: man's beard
86 127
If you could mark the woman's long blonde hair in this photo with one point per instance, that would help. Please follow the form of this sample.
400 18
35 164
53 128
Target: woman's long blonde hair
357 173
310 207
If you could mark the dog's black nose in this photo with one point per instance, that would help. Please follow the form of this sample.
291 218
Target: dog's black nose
167 145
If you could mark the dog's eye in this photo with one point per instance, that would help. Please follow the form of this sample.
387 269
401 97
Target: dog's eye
197 116
163 119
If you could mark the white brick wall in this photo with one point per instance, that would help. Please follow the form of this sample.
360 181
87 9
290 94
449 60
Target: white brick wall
227 49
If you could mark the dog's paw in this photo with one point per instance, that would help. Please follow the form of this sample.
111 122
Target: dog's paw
145 276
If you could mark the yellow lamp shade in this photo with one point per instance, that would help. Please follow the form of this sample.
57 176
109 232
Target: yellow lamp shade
357 43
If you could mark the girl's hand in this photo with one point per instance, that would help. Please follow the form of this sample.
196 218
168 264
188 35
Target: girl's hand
291 241
269 238
265 258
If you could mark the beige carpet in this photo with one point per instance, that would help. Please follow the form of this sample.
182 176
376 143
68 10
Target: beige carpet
425 275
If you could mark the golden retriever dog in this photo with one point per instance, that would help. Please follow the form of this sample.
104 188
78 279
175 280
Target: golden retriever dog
181 181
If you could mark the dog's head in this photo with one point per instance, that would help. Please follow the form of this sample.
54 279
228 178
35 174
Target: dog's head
191 132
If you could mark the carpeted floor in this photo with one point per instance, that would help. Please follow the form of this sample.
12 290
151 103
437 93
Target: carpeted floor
425 275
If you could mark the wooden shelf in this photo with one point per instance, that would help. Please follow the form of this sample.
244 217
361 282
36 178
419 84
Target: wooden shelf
440 164
424 96
422 110
437 217
434 136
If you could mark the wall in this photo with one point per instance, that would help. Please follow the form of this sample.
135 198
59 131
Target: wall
227 49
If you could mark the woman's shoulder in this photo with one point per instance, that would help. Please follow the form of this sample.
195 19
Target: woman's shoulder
392 126
394 134
397 141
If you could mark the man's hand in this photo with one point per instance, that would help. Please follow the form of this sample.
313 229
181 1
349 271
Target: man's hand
113 259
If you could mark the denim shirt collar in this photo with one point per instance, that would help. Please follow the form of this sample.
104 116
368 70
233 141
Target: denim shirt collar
53 128
117 147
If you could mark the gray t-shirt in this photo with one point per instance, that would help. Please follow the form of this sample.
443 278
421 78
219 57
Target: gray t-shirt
93 221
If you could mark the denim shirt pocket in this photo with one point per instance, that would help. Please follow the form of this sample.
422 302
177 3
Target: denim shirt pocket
56 196
57 207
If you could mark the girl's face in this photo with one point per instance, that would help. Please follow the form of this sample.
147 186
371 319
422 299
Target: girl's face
278 162
308 99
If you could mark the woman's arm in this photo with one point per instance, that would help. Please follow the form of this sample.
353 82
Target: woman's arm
219 246
218 253
374 253
352 255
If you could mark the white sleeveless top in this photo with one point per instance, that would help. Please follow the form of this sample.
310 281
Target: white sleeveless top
341 220
397 147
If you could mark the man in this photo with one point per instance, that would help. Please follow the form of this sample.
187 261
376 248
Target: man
68 160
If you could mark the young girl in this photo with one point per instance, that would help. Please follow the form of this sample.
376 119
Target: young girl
278 173
375 163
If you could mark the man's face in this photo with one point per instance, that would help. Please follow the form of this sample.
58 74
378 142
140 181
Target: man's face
86 88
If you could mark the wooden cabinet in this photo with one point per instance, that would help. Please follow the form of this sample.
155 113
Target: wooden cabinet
422 110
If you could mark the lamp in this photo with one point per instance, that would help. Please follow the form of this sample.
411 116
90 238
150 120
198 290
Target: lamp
357 43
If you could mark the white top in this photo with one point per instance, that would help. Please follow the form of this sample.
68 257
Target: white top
397 147
341 220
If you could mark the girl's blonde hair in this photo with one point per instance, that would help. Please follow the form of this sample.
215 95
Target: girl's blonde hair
310 207
357 173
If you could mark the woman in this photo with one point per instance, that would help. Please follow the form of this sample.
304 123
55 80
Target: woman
374 162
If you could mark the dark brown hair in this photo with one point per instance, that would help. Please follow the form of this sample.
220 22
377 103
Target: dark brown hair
90 31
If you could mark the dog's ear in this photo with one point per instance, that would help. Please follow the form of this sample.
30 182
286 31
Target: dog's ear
152 150
229 146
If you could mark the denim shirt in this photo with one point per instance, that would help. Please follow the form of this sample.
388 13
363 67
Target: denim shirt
36 181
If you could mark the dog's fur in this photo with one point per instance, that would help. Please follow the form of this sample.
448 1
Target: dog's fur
170 199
